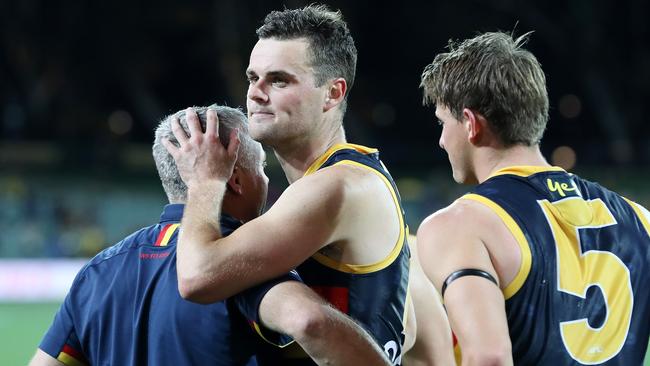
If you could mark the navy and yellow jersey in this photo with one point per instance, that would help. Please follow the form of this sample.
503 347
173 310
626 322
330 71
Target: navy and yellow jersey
124 309
581 294
374 295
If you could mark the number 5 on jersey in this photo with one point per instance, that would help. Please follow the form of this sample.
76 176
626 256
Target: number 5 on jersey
578 271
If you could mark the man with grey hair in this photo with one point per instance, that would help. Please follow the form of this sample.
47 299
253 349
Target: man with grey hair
124 307
536 265
249 167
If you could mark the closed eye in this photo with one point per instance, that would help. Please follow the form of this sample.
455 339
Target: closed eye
280 79
279 82
251 76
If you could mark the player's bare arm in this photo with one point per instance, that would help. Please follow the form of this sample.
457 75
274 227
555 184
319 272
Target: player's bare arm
211 267
475 305
322 209
328 336
433 342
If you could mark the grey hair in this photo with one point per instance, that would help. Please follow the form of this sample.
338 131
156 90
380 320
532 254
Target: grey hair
492 74
229 119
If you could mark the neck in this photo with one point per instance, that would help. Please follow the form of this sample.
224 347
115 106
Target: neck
296 158
235 206
490 160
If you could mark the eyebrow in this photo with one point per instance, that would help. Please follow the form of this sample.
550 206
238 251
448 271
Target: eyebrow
281 74
274 74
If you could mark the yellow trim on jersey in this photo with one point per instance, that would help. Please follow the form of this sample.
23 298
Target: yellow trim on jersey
259 332
323 158
526 257
644 220
525 170
69 360
168 234
369 268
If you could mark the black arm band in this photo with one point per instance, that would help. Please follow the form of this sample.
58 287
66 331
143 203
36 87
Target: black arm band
466 272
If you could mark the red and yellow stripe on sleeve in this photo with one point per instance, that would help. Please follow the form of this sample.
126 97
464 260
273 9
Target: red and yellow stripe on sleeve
71 357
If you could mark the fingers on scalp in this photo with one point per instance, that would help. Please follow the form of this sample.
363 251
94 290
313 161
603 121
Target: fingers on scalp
212 125
170 147
178 131
233 145
193 122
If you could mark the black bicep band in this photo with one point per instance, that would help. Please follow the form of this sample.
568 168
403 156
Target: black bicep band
466 272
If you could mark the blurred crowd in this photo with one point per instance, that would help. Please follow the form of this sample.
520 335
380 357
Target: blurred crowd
77 216
83 84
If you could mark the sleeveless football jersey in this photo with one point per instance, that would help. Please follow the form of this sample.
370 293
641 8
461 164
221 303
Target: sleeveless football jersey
581 294
373 295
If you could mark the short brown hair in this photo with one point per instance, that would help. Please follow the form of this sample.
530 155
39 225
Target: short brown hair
331 48
494 76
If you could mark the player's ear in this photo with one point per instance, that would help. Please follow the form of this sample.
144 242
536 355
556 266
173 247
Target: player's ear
475 125
234 184
335 94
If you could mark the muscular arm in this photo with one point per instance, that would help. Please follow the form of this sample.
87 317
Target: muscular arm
43 359
328 336
475 306
433 343
211 267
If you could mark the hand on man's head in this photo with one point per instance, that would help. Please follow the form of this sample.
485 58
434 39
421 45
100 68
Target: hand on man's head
201 157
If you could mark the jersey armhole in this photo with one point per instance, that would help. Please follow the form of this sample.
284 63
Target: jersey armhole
392 255
526 258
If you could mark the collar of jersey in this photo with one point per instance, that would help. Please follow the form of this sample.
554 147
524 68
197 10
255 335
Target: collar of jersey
525 170
332 150
172 212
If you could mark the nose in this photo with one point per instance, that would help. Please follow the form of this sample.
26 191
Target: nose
256 93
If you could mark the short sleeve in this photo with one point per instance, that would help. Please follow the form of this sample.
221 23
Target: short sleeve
248 303
61 340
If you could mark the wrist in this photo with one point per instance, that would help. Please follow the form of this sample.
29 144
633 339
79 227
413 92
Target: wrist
203 187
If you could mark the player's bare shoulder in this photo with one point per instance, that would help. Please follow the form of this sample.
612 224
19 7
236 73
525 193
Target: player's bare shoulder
367 202
447 221
469 221
447 233
363 186
462 217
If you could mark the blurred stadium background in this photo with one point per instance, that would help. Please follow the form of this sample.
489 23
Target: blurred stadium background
83 84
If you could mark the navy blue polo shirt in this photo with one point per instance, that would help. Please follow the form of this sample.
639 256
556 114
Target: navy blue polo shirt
124 309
